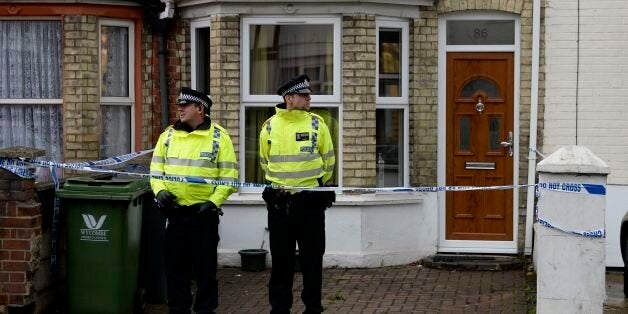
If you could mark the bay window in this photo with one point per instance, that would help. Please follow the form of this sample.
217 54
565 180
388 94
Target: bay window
392 103
276 49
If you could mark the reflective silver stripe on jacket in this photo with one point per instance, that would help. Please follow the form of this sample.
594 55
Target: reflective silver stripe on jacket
295 174
290 158
172 161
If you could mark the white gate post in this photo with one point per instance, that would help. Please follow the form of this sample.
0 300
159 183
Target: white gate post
570 267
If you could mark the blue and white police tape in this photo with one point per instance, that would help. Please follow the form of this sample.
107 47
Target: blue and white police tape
594 189
595 233
19 167
199 180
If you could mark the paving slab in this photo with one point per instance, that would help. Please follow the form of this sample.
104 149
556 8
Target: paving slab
401 289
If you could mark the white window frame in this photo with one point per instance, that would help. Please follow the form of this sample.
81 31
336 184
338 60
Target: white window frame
405 60
194 25
317 101
401 102
120 101
292 20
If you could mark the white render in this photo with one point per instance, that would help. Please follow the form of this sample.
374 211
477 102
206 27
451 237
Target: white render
594 77
570 268
365 230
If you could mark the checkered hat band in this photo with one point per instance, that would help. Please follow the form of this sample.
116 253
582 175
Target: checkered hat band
297 87
185 98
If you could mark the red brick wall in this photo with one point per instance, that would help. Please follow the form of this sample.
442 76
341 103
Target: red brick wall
20 238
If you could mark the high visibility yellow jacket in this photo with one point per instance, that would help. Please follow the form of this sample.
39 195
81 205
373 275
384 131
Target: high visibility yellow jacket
206 152
296 148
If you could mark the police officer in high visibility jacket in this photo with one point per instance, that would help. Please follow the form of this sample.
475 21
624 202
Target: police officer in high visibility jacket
192 147
296 150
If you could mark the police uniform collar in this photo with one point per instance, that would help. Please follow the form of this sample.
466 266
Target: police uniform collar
180 126
281 111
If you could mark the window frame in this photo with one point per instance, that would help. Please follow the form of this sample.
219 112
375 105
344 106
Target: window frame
317 101
401 102
36 101
404 60
120 101
292 20
194 26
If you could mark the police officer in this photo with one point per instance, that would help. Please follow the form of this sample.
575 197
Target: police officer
296 150
193 147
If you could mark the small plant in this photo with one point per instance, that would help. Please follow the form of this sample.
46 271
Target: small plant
338 297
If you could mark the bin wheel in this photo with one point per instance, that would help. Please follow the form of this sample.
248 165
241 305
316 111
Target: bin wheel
139 301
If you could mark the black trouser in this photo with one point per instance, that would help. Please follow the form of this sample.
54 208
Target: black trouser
301 221
191 253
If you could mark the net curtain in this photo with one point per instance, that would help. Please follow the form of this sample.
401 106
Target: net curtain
30 69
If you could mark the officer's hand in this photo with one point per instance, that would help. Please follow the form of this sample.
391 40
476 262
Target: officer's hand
269 195
329 199
166 199
208 207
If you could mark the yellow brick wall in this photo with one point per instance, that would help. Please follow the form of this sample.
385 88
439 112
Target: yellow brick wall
81 97
358 92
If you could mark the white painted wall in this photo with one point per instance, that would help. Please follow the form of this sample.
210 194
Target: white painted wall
616 207
602 118
602 94
570 268
368 230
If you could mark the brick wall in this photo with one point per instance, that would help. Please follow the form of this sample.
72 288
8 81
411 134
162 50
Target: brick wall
81 107
20 240
358 81
424 98
151 102
225 74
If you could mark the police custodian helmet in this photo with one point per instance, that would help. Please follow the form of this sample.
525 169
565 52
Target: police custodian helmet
299 85
188 95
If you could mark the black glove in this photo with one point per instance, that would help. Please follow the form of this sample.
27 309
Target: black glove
329 198
208 207
166 199
269 195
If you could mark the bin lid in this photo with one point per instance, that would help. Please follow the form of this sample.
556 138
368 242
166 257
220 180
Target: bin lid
109 189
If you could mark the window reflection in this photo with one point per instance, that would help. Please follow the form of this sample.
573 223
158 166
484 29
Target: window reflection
389 147
281 52
389 62
494 133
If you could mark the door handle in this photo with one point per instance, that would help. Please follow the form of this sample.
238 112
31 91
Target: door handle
508 143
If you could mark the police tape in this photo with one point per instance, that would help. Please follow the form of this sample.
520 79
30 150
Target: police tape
595 233
594 189
199 180
20 168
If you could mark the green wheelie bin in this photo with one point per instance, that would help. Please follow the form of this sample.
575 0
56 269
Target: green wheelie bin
104 220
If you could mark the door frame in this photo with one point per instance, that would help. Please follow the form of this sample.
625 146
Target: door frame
465 246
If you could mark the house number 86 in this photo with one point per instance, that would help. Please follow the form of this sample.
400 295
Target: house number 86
480 33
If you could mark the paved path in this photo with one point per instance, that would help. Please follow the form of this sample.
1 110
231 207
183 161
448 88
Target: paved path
402 289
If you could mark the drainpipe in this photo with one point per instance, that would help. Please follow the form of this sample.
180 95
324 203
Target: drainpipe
534 107
168 13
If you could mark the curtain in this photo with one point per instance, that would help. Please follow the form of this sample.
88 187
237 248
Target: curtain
116 119
30 68
116 134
